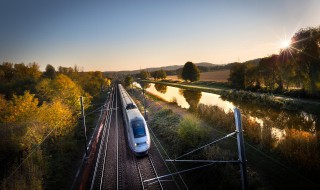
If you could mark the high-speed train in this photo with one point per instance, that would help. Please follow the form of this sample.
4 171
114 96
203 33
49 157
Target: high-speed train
136 126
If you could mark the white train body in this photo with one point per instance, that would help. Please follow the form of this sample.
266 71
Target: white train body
136 126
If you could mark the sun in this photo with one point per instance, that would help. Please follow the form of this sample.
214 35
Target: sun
285 44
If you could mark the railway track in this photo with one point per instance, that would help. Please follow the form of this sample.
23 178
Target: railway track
116 167
147 170
100 167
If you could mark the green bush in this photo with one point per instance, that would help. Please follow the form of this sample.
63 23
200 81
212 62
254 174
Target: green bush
191 133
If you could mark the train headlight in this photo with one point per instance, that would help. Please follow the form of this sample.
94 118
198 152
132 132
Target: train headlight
135 144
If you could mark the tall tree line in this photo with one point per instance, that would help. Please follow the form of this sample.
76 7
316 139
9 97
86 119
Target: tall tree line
296 67
37 105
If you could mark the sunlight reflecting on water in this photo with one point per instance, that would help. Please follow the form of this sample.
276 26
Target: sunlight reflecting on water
176 94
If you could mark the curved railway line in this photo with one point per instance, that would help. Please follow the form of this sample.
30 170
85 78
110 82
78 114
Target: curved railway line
116 167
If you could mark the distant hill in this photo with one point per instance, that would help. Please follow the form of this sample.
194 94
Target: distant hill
175 67
167 68
255 61
203 66
206 64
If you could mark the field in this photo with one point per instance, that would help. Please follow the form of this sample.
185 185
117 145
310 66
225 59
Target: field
217 76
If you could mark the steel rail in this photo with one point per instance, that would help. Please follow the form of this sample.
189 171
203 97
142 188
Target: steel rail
138 167
107 119
106 146
155 171
117 139
101 111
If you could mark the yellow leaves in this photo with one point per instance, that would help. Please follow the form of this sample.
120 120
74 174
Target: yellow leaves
26 124
21 107
56 116
62 89
107 82
3 107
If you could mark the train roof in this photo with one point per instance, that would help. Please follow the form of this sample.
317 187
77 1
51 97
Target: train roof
127 100
135 114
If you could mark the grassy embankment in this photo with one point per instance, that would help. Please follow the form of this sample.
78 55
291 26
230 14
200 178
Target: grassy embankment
179 134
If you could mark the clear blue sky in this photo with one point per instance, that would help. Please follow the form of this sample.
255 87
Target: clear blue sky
127 35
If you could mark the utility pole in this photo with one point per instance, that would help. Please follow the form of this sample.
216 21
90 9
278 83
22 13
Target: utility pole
144 104
241 152
84 125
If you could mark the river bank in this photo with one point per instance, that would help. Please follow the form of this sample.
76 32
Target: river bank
276 101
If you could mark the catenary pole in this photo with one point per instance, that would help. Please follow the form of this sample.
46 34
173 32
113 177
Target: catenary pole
84 125
241 152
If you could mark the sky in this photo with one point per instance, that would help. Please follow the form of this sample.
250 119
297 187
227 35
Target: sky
129 35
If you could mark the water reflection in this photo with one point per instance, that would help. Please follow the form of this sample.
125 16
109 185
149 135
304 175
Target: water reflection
161 88
192 97
143 85
280 119
276 120
184 99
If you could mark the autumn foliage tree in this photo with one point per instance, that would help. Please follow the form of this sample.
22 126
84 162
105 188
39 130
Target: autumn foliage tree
38 118
16 78
62 88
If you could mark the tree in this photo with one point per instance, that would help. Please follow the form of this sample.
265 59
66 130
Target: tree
17 78
160 74
251 76
144 75
306 49
268 67
65 70
7 71
288 69
50 72
62 88
128 80
190 72
237 75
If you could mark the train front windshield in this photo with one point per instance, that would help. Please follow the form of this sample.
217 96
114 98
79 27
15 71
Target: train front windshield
138 129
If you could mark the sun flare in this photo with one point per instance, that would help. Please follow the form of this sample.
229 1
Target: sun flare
285 44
